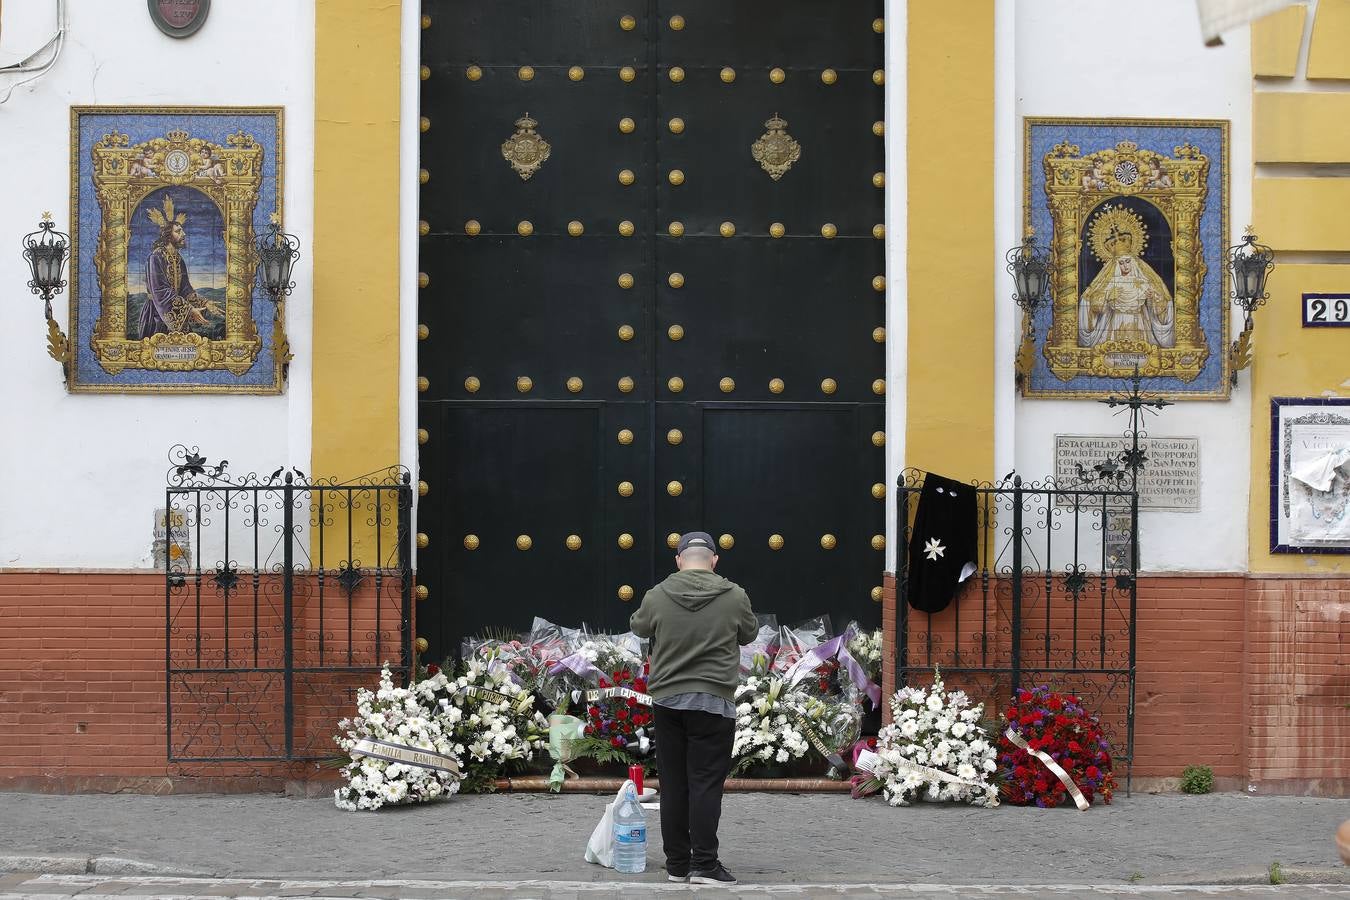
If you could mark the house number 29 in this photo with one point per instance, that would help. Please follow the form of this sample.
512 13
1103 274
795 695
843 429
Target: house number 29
1326 310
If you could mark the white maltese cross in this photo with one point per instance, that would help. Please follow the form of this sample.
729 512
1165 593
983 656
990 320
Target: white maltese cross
933 549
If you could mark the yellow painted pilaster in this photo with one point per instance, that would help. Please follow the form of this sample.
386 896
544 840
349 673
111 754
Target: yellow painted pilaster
1298 214
1302 213
1328 56
1275 42
356 213
950 84
1292 361
1299 127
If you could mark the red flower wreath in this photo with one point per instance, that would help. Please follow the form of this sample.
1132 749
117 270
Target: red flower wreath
1058 725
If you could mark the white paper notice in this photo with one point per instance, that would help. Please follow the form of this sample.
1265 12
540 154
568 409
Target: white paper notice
1321 455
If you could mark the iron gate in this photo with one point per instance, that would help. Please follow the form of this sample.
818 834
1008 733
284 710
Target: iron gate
282 596
1052 602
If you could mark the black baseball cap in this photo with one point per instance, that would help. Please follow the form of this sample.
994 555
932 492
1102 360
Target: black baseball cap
695 539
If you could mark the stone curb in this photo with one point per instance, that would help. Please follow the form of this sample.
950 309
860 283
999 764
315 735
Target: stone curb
90 865
116 865
47 865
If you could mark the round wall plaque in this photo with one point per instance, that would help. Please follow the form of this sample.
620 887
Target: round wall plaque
179 18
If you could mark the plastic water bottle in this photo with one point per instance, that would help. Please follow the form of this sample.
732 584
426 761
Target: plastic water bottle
630 835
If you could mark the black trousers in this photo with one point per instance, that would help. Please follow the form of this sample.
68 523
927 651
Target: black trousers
693 757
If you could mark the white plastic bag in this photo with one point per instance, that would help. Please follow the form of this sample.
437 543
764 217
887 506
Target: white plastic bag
600 848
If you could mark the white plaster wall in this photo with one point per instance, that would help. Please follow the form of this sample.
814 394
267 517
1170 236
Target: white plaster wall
80 474
410 97
897 267
1097 58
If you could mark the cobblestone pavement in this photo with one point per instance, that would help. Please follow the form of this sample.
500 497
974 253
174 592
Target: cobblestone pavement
781 840
94 887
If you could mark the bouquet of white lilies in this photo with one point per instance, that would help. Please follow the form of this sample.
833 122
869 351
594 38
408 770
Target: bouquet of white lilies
489 719
777 724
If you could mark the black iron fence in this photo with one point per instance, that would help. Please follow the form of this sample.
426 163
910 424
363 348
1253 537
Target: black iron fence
1053 600
282 596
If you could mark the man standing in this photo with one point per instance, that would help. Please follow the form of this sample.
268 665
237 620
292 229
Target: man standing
697 621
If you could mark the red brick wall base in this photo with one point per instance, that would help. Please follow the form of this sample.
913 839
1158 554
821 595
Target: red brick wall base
1248 675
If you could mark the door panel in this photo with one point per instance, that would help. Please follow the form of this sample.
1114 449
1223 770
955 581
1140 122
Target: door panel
469 121
801 472
832 125
545 307
506 470
766 33
516 32
757 309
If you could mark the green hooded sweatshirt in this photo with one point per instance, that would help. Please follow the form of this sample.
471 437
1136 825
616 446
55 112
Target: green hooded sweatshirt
696 620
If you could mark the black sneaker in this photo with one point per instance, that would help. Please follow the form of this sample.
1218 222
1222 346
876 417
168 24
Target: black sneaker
719 875
677 873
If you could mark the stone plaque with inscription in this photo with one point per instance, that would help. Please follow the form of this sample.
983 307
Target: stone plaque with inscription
1170 479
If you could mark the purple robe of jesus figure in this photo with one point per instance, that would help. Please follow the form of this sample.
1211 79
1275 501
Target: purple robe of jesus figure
172 305
170 293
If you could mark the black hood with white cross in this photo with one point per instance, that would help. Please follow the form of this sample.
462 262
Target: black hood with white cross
944 545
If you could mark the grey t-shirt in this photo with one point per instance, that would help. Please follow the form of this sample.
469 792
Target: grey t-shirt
698 701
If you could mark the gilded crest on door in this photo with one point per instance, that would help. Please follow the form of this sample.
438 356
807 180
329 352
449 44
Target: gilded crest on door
526 150
776 150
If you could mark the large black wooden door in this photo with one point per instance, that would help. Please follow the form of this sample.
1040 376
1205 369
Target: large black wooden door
652 300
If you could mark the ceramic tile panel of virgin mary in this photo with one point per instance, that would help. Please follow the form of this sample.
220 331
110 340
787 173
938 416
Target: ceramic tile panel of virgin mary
1137 210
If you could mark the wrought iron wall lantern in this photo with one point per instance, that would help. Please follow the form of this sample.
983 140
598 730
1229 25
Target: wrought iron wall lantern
1249 265
1029 265
46 251
277 252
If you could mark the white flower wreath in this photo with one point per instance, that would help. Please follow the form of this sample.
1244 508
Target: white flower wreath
935 749
390 726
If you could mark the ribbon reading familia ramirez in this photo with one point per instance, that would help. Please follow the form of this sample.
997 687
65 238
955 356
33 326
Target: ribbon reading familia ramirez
1016 740
408 756
867 762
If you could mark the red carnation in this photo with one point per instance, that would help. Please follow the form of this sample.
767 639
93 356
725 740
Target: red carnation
604 682
594 712
632 701
616 741
433 669
621 713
